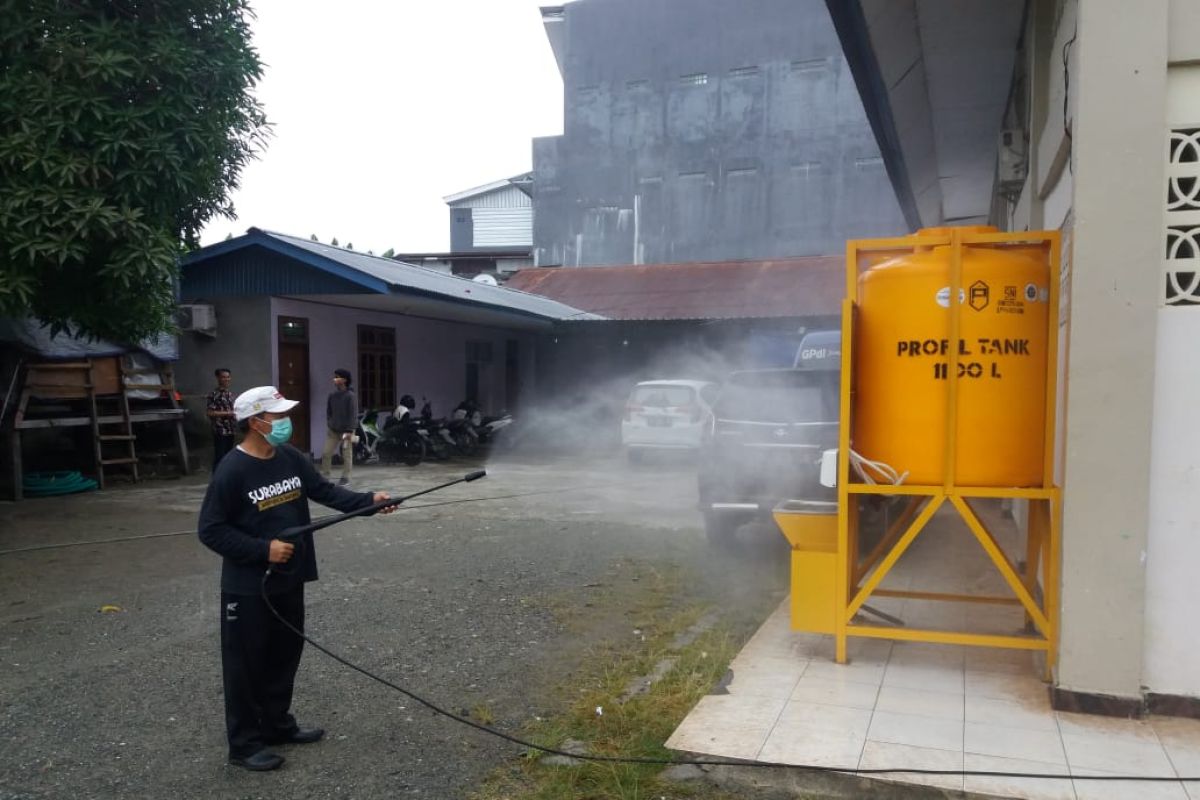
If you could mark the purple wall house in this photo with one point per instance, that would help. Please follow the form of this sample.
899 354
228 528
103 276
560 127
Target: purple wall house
285 311
430 357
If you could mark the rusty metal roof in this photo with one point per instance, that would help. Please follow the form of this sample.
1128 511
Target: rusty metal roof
788 287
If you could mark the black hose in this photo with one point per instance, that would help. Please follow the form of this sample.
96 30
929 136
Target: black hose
702 762
333 520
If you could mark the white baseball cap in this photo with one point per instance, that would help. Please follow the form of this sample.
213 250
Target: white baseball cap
259 400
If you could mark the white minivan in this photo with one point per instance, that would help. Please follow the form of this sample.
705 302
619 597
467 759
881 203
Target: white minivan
666 415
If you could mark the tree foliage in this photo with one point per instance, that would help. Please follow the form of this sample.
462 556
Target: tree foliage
124 126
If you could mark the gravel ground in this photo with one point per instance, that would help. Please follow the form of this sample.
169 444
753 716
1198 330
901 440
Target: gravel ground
483 604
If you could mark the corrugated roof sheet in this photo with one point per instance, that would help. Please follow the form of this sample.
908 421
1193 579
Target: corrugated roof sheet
399 276
791 287
524 179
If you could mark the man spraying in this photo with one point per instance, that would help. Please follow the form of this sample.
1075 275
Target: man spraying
259 490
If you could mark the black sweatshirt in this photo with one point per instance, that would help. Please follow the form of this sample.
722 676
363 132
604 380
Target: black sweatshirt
250 501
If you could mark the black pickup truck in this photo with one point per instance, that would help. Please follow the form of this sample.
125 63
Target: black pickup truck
764 444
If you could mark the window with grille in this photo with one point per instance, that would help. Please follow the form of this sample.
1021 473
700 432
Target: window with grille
1182 258
376 377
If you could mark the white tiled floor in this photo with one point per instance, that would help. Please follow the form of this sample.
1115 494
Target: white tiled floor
931 706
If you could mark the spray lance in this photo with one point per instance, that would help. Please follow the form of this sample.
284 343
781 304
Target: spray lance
295 534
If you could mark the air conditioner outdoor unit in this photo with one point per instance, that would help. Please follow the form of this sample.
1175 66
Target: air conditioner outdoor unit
197 317
1011 162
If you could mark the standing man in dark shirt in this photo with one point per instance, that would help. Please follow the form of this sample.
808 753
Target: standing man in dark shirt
341 418
262 488
221 417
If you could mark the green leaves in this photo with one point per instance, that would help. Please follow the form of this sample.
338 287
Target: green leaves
124 127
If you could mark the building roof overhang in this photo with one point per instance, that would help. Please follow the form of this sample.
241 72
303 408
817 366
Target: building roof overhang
934 76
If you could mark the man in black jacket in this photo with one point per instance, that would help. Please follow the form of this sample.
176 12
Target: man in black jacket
259 490
341 418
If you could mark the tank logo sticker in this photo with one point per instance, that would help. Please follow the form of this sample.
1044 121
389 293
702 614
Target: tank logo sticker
1016 298
1011 303
979 295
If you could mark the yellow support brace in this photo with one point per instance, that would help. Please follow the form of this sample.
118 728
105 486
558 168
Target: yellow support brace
891 558
950 637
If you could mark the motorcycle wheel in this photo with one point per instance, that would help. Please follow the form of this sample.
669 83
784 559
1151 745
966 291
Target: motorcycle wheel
412 450
465 443
434 447
389 451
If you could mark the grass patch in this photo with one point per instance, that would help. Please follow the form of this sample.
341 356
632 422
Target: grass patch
637 727
483 714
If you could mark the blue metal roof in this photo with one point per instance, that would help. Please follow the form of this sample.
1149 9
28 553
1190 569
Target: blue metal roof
239 266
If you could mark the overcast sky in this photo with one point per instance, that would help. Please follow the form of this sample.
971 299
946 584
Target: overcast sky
382 108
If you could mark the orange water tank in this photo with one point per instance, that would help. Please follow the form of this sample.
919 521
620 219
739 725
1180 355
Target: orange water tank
902 357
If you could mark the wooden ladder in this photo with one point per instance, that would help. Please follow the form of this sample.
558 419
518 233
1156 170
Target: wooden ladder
107 439
166 374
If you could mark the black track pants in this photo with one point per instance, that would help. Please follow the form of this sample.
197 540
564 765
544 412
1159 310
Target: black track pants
222 445
259 657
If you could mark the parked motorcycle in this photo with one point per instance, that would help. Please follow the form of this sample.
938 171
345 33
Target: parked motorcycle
490 426
403 440
368 435
438 442
483 428
455 434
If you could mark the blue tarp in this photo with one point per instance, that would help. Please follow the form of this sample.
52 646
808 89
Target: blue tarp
31 335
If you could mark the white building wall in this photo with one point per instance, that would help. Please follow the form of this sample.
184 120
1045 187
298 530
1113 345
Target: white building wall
1169 649
1172 658
501 218
1118 77
503 227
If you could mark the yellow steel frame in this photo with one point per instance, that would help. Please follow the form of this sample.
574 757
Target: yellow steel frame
858 579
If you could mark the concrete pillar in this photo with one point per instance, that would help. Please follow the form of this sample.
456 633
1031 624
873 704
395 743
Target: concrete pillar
1118 93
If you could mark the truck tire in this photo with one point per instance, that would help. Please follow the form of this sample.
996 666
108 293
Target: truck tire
721 529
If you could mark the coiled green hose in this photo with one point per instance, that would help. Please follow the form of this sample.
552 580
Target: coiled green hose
46 484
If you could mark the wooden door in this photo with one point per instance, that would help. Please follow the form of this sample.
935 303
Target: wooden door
293 376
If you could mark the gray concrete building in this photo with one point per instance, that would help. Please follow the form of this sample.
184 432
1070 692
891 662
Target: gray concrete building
704 130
